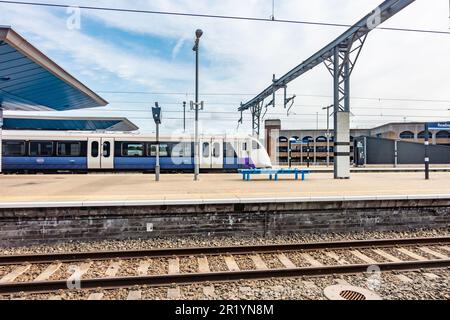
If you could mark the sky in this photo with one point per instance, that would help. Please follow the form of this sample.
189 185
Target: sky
150 57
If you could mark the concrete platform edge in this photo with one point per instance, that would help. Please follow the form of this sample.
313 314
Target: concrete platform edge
150 203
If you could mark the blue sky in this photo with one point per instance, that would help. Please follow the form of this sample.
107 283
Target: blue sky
153 53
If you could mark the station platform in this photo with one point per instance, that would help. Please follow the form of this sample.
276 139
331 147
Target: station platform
50 209
179 188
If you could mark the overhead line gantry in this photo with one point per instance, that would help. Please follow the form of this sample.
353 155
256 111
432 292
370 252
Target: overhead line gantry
340 57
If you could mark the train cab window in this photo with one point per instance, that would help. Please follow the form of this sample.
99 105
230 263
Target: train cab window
216 150
244 146
106 149
14 148
95 149
41 149
133 149
256 145
69 149
206 151
164 150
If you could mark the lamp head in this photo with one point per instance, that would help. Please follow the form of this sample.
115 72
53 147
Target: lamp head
199 33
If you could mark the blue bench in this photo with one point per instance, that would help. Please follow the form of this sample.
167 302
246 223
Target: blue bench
247 173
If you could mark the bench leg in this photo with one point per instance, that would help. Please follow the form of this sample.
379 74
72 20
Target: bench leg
276 177
303 177
296 176
270 177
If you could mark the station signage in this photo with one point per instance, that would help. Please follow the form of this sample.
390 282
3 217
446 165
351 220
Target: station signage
439 126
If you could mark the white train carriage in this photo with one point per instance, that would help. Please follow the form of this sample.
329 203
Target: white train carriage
36 151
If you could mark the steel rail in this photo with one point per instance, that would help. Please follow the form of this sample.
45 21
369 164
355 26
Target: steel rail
208 251
193 278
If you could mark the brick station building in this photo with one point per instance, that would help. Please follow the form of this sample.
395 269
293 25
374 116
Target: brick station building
277 140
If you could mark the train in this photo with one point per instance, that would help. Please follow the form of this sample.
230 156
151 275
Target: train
65 151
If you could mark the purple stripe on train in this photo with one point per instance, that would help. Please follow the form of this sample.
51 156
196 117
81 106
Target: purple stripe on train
248 163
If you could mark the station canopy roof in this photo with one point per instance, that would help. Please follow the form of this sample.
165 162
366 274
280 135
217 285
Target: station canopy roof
29 80
51 123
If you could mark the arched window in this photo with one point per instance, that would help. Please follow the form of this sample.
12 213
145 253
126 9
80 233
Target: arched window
407 135
283 139
443 135
331 139
422 135
295 138
308 139
321 139
352 139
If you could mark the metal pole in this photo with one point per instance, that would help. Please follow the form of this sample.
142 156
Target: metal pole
309 151
336 110
315 139
427 152
301 153
328 137
184 116
365 152
197 143
274 92
158 166
290 154
396 154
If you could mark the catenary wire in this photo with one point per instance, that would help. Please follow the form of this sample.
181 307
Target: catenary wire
229 17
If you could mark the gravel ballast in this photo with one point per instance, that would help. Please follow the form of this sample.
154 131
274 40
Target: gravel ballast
425 284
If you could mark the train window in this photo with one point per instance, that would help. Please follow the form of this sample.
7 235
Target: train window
164 150
255 145
216 150
14 148
106 149
229 151
95 149
244 146
182 149
69 149
133 149
206 151
41 149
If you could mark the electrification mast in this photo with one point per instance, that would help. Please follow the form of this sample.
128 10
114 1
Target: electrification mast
340 57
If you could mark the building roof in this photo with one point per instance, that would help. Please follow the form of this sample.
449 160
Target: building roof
63 123
29 80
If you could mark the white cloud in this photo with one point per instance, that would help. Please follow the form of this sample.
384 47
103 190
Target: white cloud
177 48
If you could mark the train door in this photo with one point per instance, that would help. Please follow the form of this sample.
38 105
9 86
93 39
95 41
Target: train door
211 154
94 159
217 154
205 154
107 154
100 153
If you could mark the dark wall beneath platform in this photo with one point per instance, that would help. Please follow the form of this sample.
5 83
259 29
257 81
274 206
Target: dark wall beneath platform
20 227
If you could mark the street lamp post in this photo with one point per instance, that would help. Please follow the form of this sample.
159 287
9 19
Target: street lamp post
198 35
157 117
328 133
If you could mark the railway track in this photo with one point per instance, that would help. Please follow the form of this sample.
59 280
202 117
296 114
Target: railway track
165 267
